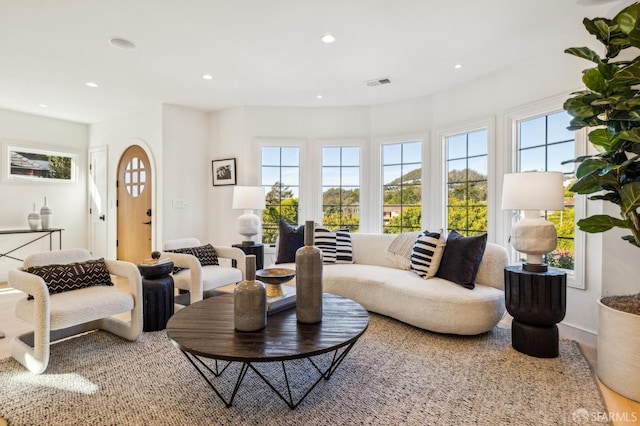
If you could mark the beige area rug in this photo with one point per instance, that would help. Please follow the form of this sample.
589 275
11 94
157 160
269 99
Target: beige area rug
396 374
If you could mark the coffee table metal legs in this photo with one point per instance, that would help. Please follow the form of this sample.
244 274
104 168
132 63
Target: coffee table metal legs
326 374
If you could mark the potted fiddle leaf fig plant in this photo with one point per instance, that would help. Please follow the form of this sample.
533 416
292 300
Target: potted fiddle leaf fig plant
610 107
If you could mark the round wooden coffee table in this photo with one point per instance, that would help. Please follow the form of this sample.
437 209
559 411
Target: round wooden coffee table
205 330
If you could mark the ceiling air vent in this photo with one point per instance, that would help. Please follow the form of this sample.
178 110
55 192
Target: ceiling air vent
378 81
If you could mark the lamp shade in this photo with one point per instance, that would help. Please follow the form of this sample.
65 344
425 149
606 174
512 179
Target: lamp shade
533 191
248 198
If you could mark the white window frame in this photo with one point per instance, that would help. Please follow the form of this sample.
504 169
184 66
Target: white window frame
316 169
301 144
575 278
485 123
376 192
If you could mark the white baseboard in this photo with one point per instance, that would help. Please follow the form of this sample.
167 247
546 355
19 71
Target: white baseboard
579 334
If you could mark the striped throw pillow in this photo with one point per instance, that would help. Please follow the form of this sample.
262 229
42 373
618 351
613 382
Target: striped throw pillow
427 253
336 246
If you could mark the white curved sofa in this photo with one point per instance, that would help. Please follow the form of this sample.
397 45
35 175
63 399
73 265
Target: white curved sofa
380 286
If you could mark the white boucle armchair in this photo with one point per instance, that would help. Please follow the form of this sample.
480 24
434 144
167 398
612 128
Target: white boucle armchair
60 315
195 278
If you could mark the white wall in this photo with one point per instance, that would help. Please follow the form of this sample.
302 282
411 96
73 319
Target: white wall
186 173
67 200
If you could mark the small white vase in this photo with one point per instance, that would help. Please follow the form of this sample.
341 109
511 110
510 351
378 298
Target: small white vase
45 215
34 219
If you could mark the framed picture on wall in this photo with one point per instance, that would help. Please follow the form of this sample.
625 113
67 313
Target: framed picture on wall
224 172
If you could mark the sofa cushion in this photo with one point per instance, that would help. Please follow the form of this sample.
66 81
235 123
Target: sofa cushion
427 253
290 239
205 254
461 259
335 245
73 276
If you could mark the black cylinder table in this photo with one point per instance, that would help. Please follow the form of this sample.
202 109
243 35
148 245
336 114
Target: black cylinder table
157 294
537 301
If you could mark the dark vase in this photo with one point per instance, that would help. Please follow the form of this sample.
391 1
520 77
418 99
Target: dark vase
250 301
309 279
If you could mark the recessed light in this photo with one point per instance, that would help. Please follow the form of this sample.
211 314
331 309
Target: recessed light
207 76
319 96
43 105
328 38
457 66
91 84
121 43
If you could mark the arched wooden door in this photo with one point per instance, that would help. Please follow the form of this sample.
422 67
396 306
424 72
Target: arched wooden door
134 205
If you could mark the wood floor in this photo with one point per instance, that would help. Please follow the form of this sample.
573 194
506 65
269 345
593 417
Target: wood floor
622 411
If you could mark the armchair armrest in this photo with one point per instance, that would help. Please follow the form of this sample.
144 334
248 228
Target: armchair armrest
129 271
28 283
235 254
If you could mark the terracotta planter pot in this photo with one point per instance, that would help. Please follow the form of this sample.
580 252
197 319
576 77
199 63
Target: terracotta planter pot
619 351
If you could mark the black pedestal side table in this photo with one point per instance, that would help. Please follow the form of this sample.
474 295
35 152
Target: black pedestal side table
256 249
158 295
537 301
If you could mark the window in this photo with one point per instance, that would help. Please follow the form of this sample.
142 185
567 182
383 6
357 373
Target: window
135 177
543 144
341 187
466 177
280 175
402 187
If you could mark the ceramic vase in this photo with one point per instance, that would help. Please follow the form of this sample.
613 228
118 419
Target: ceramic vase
250 300
34 219
309 279
45 215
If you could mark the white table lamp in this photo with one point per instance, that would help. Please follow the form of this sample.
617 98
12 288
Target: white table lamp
533 192
248 198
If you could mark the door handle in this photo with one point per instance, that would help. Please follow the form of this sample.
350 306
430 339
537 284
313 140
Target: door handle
102 217
146 223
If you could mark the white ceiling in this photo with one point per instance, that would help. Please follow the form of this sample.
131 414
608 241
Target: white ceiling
263 52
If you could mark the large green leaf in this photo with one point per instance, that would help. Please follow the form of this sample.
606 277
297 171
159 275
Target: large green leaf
584 53
593 79
603 138
630 197
596 28
632 135
602 223
580 106
628 75
590 181
628 22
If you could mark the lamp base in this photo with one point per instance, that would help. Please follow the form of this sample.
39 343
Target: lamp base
535 267
248 242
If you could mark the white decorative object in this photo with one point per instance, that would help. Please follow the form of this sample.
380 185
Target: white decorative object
34 219
533 192
45 215
248 198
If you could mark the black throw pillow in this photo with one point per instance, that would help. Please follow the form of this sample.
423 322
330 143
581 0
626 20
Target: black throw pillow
290 239
461 259
72 276
205 254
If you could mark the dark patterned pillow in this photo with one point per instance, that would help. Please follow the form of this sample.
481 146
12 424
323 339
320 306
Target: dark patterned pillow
73 276
427 253
290 239
205 254
461 259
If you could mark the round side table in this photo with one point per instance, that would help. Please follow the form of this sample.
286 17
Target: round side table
158 295
537 301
